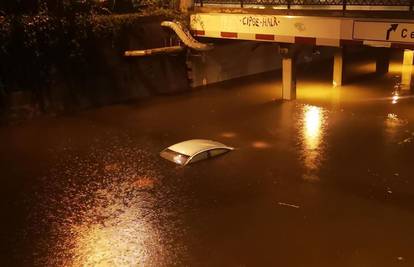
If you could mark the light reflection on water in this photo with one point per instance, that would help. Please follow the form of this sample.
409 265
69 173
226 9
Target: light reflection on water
115 218
122 240
110 212
393 123
313 124
395 98
394 126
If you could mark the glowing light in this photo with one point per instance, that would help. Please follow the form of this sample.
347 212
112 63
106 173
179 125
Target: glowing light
396 94
408 57
106 246
179 159
319 91
392 116
407 69
395 98
228 134
312 132
393 126
260 144
312 127
111 233
334 84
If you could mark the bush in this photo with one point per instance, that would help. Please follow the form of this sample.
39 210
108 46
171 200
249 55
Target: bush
63 6
33 46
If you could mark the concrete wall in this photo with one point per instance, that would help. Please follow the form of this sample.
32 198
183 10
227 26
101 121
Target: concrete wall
234 59
230 60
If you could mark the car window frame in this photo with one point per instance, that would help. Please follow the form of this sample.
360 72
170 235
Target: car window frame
226 150
190 160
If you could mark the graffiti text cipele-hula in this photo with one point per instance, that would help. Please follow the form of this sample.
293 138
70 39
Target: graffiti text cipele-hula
253 21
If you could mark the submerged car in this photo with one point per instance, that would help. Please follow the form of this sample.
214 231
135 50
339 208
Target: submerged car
191 151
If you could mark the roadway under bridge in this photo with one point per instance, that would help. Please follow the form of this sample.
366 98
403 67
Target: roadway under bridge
293 24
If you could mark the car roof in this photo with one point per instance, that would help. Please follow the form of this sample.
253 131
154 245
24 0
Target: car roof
195 146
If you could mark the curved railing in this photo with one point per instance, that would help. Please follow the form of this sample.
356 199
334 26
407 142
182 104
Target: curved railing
186 37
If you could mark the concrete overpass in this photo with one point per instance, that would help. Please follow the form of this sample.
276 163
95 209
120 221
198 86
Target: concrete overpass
296 23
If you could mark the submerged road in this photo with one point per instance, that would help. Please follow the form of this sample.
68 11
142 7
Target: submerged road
327 180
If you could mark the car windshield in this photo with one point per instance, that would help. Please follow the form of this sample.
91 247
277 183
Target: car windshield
174 156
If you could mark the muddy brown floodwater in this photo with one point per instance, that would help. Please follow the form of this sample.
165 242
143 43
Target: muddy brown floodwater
327 180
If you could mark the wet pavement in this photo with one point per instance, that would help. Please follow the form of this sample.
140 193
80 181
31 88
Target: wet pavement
326 180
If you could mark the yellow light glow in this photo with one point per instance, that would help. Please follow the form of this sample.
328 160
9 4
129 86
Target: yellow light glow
393 126
312 127
407 69
312 135
106 246
120 242
260 144
179 159
112 233
395 99
312 90
408 57
228 134
392 116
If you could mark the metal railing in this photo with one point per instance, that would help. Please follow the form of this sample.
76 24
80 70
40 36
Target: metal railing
289 3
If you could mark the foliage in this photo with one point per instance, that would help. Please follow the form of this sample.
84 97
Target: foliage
63 6
34 45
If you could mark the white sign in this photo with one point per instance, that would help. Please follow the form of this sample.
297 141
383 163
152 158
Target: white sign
267 24
384 31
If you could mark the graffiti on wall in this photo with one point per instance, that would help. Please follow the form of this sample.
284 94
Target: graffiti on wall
255 21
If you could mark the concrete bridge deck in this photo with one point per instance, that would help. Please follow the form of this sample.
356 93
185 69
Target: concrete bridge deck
296 23
321 11
386 5
321 25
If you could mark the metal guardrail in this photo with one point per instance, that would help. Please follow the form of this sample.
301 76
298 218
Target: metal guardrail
288 3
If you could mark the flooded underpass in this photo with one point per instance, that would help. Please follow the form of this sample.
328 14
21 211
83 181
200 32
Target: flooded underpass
326 180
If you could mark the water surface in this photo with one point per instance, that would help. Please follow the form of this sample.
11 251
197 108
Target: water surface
326 180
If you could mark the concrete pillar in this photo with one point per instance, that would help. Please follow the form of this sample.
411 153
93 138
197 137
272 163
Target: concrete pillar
382 60
289 77
338 68
407 70
185 5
